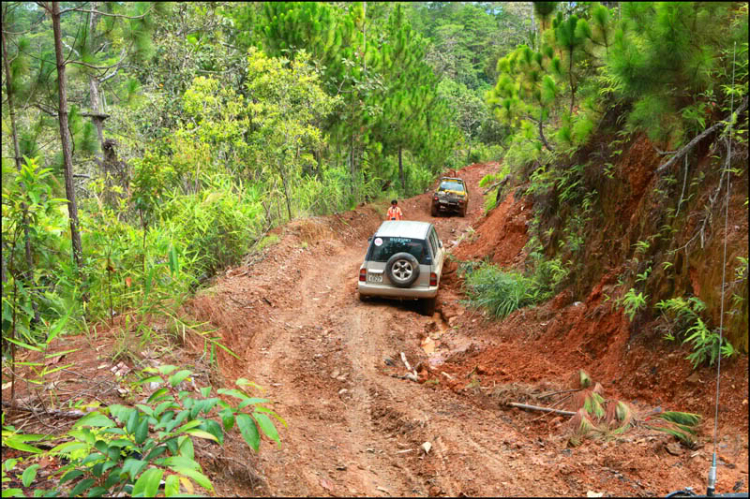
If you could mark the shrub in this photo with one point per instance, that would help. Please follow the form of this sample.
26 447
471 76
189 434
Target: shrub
632 302
680 313
499 292
706 344
548 275
683 318
125 450
218 227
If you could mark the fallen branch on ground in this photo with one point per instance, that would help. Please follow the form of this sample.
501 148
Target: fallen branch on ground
48 412
412 375
406 363
545 395
542 409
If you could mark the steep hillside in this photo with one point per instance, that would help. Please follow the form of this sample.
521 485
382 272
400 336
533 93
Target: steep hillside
633 236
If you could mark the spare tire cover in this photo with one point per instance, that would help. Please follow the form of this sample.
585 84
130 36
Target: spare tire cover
402 269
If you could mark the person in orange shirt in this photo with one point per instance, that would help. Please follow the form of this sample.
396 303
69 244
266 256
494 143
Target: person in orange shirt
394 212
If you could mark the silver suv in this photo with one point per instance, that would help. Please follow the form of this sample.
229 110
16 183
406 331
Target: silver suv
404 260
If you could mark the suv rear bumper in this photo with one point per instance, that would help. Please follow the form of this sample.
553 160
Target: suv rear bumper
368 289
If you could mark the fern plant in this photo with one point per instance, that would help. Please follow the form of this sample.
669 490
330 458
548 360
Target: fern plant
707 345
632 302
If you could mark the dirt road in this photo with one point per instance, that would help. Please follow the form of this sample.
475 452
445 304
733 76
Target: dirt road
333 368
354 429
329 363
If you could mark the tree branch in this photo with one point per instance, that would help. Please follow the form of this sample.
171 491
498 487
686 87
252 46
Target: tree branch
111 75
541 132
46 110
99 13
663 153
679 154
102 68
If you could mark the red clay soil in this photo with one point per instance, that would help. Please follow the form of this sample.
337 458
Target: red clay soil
500 235
332 366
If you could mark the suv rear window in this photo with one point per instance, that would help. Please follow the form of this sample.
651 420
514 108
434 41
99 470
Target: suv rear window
382 248
451 185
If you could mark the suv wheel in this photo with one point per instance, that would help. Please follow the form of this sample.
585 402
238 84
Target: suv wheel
402 269
428 306
434 210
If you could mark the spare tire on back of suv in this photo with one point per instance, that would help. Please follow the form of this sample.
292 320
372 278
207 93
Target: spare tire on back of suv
402 269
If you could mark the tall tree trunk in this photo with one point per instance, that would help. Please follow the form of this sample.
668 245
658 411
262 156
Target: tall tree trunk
96 110
286 198
75 235
284 180
97 115
3 277
541 131
401 170
352 167
364 37
17 154
318 160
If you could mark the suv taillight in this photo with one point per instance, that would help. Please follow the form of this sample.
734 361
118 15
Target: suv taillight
433 279
362 275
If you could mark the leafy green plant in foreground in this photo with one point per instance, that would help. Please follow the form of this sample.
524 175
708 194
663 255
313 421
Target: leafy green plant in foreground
683 317
132 449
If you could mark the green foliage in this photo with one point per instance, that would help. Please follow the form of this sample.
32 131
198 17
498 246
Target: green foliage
681 425
218 226
499 292
13 439
707 345
548 275
129 449
663 56
28 202
502 292
683 318
680 313
267 242
632 302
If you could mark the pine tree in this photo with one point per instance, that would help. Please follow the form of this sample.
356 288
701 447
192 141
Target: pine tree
664 59
53 9
104 25
544 11
570 35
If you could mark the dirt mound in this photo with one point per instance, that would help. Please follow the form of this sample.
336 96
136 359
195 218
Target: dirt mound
501 235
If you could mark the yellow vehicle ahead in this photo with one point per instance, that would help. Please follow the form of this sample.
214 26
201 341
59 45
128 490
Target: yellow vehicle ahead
450 196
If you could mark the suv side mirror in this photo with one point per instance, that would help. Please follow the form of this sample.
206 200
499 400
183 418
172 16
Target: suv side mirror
440 243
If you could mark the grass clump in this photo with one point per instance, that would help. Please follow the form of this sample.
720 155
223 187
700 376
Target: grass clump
502 292
268 241
499 292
